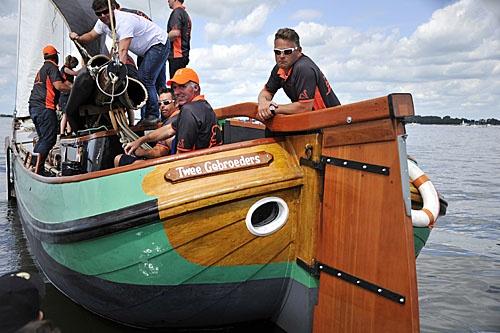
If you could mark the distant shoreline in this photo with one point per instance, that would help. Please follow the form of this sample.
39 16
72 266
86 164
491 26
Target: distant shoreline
447 120
423 120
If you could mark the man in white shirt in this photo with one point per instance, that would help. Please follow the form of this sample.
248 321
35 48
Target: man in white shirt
140 36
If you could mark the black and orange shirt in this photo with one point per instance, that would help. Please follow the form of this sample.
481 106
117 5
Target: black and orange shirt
180 20
44 94
304 81
196 126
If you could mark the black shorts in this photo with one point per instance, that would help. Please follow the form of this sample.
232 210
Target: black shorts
128 159
176 63
47 127
63 100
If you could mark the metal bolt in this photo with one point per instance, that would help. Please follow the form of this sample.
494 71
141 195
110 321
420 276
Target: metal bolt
320 267
401 300
379 290
339 274
383 170
358 282
345 163
348 120
364 166
328 160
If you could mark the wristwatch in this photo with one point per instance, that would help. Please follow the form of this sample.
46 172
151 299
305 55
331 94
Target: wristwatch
273 107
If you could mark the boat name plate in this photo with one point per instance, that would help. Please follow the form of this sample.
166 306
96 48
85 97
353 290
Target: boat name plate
219 165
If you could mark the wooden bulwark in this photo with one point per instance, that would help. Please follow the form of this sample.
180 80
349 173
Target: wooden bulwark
394 105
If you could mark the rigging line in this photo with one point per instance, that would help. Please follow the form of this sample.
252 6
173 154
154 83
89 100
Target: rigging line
19 9
150 12
113 31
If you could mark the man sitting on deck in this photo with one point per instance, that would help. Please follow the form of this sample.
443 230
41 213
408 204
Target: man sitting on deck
169 111
300 78
196 126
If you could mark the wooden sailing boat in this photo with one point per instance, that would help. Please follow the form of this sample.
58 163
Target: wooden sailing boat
310 228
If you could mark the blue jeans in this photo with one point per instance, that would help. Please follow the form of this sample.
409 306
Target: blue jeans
150 69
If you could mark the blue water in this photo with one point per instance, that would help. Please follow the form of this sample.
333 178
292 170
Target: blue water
458 270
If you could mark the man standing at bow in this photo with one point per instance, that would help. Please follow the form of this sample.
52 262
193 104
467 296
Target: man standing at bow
42 104
142 37
179 34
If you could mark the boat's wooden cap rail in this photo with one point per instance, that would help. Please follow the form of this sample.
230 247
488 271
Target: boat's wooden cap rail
391 106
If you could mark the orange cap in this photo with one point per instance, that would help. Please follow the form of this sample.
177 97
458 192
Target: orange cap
49 50
183 76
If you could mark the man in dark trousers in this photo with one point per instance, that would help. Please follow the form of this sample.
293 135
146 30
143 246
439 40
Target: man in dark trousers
42 104
142 37
300 78
179 33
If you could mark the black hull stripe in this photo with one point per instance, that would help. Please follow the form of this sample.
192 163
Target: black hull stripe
93 226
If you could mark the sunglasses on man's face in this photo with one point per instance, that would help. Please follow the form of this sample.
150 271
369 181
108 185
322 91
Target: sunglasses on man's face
102 12
165 102
288 51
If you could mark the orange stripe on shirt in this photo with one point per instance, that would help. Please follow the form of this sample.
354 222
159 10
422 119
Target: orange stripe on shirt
319 103
177 47
50 94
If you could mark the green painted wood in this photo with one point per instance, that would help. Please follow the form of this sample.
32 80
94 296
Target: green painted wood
144 256
420 236
79 199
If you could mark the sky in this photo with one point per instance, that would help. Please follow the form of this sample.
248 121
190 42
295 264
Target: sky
446 53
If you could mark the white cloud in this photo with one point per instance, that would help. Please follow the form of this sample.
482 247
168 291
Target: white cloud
450 64
447 63
306 15
250 25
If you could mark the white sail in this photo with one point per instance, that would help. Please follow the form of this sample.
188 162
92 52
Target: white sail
45 22
39 24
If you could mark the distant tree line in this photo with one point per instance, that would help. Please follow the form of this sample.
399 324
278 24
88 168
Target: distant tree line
447 120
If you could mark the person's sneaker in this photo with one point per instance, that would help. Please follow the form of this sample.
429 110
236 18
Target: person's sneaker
149 121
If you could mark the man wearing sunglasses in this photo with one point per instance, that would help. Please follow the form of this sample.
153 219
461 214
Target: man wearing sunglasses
300 78
142 37
196 125
169 111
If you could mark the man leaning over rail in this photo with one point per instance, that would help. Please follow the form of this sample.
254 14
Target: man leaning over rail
300 78
196 126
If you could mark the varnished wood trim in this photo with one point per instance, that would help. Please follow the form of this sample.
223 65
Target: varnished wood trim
88 137
397 105
401 105
146 163
372 131
246 124
247 109
372 109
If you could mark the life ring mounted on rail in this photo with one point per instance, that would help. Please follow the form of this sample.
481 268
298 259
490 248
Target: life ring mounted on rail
425 217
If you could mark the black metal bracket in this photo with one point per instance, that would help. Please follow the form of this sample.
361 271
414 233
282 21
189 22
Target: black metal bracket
310 163
319 267
378 169
339 162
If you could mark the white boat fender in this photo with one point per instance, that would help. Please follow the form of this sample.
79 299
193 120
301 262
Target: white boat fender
425 217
